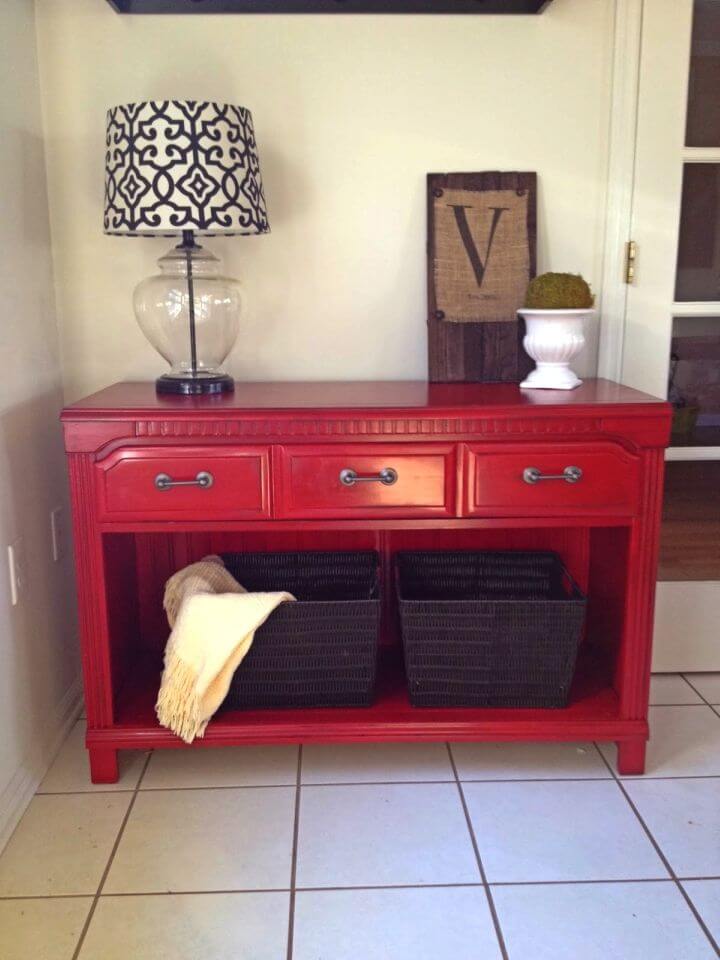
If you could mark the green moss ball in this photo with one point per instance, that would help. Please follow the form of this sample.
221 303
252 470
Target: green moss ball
559 291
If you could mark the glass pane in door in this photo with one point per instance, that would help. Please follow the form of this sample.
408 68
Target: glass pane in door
698 266
690 532
694 384
703 112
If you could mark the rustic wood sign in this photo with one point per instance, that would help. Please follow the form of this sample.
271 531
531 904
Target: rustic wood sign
481 255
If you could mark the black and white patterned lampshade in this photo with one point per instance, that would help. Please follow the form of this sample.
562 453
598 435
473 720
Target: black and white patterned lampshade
174 165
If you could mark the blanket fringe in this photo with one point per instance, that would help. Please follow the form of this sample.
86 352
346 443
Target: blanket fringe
178 705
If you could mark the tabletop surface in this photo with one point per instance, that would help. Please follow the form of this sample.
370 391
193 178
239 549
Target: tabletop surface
417 396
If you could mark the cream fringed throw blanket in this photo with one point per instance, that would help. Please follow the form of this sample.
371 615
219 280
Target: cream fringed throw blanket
213 621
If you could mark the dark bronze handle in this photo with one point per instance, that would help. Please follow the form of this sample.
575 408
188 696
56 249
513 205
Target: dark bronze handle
387 475
202 480
569 475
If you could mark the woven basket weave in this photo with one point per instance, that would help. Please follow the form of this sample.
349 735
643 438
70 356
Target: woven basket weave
488 629
320 651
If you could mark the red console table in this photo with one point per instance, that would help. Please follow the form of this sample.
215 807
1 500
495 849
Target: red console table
275 453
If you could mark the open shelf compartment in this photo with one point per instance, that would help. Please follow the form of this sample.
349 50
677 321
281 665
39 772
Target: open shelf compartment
138 563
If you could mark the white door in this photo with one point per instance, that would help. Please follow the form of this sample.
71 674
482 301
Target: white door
672 322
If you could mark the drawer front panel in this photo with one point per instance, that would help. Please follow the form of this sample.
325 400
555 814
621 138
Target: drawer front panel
539 480
188 484
346 480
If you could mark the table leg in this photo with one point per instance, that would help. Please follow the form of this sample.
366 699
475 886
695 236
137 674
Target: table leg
103 765
631 757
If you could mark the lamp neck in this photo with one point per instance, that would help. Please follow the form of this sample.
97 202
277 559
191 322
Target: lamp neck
188 241
188 245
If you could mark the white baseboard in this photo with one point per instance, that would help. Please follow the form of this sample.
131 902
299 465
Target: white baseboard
687 638
29 775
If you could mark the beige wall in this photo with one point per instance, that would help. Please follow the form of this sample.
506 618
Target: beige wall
39 687
350 113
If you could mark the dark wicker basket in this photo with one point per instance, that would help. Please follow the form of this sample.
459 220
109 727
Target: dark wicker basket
496 629
320 651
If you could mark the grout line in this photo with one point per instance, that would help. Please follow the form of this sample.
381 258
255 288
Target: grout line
375 783
412 783
688 879
630 777
240 891
682 677
82 793
666 863
243 786
478 858
676 704
293 867
50 896
586 883
394 886
265 786
172 893
405 783
647 776
695 690
224 786
498 883
713 706
380 886
106 871
378 783
534 779
695 911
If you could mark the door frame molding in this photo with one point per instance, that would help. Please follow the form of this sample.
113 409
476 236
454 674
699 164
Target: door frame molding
622 147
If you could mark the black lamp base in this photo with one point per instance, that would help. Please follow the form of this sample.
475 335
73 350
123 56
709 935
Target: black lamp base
195 386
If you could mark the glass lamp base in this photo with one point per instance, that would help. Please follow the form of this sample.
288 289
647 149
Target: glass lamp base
201 383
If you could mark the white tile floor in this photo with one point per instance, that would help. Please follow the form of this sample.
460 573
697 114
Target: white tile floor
469 851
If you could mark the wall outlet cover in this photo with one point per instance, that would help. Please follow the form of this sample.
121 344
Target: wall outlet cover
17 569
58 533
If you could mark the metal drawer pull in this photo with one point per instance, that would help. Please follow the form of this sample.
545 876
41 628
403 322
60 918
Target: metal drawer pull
203 479
387 475
569 475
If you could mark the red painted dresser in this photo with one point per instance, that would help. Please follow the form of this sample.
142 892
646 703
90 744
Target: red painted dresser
474 466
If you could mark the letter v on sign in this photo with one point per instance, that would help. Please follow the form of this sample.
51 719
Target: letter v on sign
479 267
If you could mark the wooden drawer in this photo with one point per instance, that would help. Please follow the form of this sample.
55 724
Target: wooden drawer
499 481
133 484
423 480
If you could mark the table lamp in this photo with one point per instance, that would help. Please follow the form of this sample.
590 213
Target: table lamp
185 168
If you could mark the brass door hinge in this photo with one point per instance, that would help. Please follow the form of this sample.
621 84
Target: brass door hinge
630 256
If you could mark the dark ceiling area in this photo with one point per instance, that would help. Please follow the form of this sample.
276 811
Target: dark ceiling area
330 6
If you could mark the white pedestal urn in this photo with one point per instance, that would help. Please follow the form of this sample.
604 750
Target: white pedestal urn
553 339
